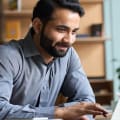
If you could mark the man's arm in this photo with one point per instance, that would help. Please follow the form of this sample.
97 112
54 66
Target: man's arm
76 82
77 111
76 85
8 66
8 110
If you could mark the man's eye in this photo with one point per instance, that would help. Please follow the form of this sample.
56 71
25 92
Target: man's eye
74 32
61 29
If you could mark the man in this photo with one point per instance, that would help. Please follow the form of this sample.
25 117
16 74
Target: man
33 71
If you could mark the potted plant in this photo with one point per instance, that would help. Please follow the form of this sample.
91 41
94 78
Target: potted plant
118 74
118 71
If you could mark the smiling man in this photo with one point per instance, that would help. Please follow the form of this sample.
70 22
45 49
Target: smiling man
34 70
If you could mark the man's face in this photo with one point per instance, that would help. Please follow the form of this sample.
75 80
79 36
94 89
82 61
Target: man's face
60 32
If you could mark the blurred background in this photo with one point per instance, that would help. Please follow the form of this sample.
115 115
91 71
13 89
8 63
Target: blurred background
97 43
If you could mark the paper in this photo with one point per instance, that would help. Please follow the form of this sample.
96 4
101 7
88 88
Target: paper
41 118
44 118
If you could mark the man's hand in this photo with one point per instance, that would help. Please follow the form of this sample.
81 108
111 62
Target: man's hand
76 112
84 118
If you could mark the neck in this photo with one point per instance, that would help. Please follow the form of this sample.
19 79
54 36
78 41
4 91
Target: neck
46 57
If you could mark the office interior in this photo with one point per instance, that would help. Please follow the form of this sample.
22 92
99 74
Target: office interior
97 42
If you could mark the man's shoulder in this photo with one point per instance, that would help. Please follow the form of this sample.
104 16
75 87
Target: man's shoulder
71 52
10 48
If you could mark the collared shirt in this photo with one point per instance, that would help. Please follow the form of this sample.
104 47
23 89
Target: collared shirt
29 87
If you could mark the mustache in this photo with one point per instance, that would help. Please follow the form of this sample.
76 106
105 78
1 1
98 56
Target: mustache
63 44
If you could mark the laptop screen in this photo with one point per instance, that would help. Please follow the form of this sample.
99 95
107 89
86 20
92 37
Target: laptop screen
116 113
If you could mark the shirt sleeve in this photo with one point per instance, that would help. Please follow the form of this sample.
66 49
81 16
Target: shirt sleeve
8 110
76 82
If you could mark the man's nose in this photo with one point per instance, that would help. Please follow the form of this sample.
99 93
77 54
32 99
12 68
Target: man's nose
69 38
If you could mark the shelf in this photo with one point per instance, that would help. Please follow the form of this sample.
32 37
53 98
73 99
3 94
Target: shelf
91 39
15 13
104 100
91 1
103 94
103 90
100 81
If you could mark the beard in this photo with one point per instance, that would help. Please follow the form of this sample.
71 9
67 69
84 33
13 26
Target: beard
47 44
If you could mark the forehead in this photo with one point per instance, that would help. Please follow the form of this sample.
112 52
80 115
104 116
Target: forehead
65 17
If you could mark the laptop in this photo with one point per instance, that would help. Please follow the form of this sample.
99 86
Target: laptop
116 113
114 116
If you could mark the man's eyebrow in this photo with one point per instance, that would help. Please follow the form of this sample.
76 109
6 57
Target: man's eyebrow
76 29
66 27
62 26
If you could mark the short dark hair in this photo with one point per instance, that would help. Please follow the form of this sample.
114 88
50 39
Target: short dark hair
45 8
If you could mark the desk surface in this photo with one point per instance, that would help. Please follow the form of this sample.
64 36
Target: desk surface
99 117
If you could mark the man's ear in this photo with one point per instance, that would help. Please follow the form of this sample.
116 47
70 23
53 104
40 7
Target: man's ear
37 25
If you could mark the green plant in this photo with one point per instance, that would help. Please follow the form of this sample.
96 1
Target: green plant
118 72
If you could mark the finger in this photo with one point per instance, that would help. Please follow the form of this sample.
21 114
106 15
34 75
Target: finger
96 107
94 116
100 108
94 112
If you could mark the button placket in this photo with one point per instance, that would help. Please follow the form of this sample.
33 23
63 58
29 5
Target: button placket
44 94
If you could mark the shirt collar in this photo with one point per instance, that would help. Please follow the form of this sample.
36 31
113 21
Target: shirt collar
29 47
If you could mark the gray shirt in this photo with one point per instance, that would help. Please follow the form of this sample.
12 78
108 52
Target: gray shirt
29 87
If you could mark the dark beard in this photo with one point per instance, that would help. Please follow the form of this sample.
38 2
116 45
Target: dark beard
46 43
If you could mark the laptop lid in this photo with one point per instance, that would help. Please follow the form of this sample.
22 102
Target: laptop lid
116 113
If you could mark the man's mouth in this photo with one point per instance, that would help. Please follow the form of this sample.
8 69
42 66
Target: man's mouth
62 47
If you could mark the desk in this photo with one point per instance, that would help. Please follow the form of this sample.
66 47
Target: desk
99 117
